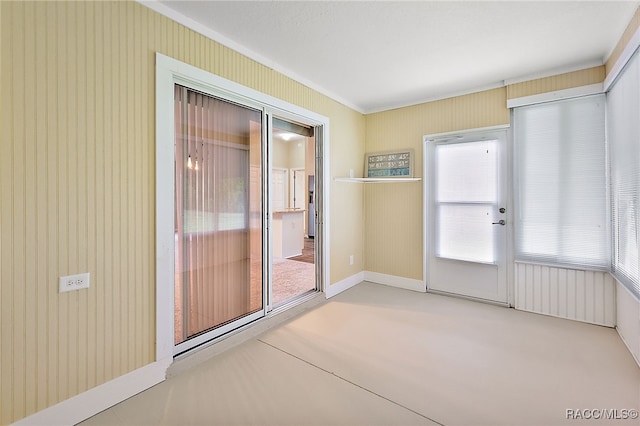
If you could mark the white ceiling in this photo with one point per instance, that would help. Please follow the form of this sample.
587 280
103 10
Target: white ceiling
379 55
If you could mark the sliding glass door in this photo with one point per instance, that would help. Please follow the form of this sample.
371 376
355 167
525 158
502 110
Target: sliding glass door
218 216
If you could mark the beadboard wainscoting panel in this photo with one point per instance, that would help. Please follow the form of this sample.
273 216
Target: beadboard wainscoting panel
588 296
628 319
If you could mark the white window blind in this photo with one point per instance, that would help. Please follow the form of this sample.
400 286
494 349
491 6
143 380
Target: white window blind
623 112
560 183
466 197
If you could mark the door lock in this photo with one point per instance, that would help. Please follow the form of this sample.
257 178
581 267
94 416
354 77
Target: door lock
502 210
500 222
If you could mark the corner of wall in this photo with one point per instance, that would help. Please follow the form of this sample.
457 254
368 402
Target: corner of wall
89 403
617 53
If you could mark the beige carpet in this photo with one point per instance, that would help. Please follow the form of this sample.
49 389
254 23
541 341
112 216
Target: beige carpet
376 355
291 278
459 362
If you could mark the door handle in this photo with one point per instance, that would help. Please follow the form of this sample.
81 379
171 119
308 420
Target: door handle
500 222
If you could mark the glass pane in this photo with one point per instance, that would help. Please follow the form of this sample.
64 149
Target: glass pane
218 212
467 172
623 109
465 232
466 194
292 235
560 173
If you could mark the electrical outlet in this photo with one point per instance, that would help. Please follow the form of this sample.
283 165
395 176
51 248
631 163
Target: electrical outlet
351 260
74 282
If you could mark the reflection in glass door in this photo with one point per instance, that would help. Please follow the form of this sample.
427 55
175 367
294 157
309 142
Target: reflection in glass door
218 216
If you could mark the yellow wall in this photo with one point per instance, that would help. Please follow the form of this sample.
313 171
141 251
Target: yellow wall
632 27
77 187
393 212
77 184
557 82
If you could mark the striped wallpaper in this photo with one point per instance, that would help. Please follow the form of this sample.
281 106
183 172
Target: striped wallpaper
393 211
631 29
77 184
557 82
77 167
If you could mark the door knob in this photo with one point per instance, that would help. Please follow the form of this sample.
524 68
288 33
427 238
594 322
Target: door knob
500 222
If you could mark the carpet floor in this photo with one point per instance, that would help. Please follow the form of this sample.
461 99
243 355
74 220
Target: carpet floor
291 278
376 355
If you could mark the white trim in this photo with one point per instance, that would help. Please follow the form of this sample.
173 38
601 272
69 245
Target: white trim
490 86
625 56
573 92
164 10
325 213
425 215
553 72
86 404
165 190
395 281
459 134
345 284
377 180
560 265
427 99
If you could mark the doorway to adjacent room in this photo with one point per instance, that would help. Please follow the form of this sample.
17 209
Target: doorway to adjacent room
293 243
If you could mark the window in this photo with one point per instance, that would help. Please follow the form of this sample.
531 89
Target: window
466 197
560 183
212 163
623 110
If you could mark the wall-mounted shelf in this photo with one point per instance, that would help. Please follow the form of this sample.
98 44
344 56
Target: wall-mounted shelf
377 180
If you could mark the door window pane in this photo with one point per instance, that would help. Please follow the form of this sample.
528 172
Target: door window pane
218 212
467 172
466 194
465 232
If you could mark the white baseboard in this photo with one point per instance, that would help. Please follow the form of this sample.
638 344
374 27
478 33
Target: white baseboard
87 404
395 281
347 283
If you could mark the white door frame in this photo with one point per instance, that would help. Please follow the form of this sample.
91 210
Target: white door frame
169 72
508 202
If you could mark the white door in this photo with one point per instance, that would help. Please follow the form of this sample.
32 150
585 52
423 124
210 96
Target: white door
467 216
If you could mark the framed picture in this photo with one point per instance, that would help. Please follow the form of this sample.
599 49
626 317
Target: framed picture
389 164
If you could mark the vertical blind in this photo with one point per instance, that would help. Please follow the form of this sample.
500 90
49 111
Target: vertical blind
218 212
623 116
560 183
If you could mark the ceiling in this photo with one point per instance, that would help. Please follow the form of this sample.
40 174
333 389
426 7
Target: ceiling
380 55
